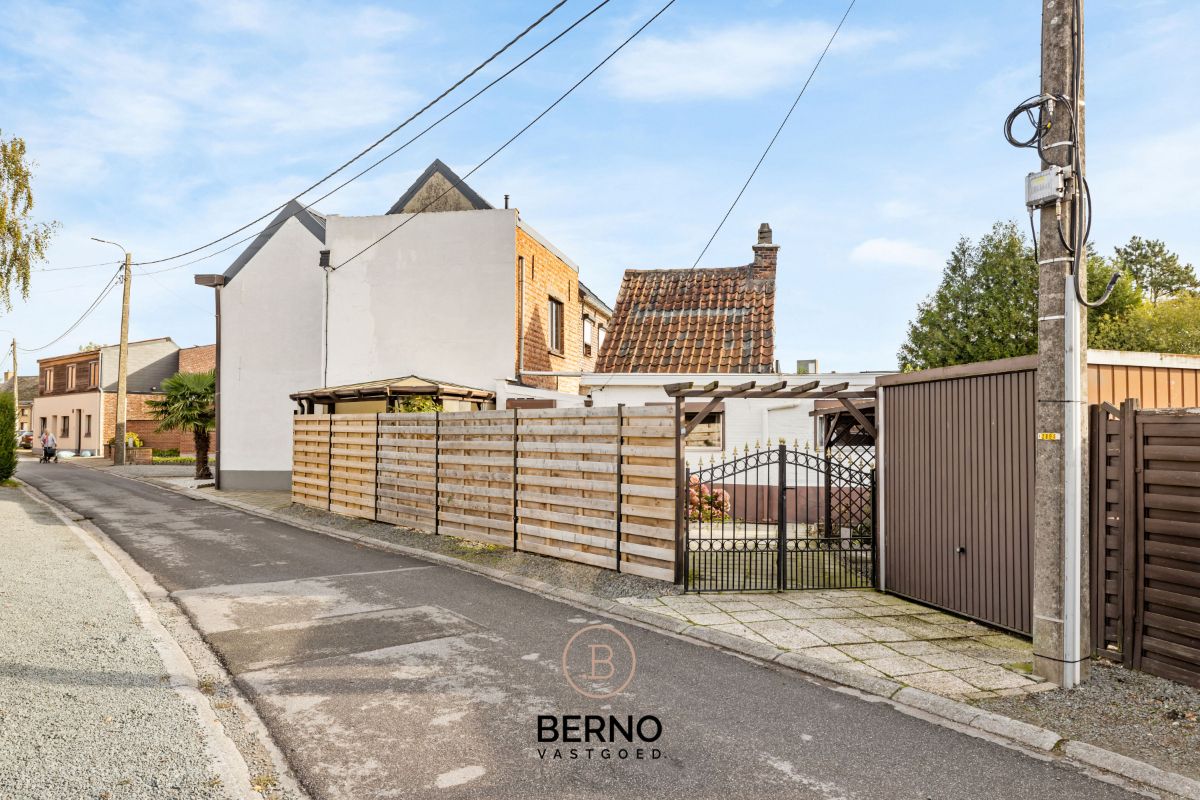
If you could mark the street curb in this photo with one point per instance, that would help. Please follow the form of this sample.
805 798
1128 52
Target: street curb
227 761
938 709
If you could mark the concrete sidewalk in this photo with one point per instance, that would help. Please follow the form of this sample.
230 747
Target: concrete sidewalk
89 706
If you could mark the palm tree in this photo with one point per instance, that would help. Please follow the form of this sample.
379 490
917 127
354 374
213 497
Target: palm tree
189 404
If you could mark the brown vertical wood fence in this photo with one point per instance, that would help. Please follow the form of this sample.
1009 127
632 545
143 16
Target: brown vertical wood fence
1146 589
956 483
592 485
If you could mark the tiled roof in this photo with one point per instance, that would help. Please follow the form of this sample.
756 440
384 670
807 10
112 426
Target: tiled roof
28 387
692 320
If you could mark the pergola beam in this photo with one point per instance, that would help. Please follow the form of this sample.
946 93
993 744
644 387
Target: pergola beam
858 415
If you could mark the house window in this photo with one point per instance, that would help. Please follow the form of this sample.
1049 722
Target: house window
93 374
42 427
70 376
600 337
587 335
66 427
556 325
87 425
48 379
707 433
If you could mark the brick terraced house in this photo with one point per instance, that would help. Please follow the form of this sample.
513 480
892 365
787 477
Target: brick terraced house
76 394
27 387
691 321
348 314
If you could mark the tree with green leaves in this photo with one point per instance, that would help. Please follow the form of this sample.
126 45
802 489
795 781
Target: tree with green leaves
8 436
22 242
189 404
1157 271
984 308
1171 326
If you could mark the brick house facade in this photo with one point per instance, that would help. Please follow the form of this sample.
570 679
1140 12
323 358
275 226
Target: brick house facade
555 314
202 358
77 394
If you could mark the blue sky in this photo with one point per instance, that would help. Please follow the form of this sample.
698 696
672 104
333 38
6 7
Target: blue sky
163 125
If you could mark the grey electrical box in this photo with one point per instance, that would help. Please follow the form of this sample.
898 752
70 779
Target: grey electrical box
1046 187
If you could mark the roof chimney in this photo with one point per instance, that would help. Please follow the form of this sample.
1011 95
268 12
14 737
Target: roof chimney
7 375
766 254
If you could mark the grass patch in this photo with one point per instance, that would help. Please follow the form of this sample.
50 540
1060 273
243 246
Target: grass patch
10 483
1021 666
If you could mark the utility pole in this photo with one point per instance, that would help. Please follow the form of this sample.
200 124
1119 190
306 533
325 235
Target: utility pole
123 364
1061 640
17 385
123 357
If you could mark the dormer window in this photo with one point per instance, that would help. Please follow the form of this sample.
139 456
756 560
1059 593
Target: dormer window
588 325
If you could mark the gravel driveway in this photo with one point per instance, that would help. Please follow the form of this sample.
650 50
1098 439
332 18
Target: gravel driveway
1135 714
86 710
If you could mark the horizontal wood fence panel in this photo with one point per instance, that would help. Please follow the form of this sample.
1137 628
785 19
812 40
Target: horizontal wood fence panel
591 485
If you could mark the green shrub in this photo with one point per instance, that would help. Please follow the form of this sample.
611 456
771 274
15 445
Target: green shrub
165 453
8 437
173 459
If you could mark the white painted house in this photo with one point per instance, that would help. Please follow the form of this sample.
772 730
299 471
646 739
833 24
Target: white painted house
332 313
735 424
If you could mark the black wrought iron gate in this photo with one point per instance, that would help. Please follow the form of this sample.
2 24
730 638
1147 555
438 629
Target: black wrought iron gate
782 518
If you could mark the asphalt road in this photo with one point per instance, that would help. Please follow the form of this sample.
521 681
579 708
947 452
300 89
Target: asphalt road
382 676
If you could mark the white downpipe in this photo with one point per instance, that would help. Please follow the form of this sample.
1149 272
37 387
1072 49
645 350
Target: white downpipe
880 549
1073 488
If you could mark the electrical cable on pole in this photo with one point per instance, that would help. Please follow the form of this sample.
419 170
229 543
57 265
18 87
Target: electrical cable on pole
1058 613
778 131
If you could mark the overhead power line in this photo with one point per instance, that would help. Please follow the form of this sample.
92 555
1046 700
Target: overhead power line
394 130
515 136
77 266
385 157
108 287
778 131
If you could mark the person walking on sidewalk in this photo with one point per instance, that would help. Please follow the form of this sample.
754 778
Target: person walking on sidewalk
49 447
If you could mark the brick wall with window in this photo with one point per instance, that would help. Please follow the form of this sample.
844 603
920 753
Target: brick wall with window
553 326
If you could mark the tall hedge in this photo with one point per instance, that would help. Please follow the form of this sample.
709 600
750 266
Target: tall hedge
8 436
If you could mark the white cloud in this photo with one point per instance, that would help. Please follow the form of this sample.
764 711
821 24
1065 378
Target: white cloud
895 252
735 61
944 55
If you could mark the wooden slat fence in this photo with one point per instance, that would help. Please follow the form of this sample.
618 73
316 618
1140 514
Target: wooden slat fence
1150 595
592 485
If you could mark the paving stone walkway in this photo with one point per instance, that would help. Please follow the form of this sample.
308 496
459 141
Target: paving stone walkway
870 632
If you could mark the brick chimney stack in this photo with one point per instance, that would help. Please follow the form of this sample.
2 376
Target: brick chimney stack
766 254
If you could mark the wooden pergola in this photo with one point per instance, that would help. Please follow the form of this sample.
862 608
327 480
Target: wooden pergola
780 390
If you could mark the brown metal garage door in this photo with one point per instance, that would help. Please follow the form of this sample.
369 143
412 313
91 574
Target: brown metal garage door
956 485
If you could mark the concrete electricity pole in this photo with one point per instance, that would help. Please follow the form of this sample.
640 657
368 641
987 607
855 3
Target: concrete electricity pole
1061 641
123 357
17 385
